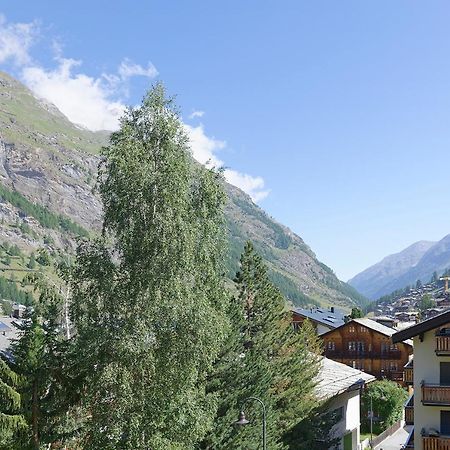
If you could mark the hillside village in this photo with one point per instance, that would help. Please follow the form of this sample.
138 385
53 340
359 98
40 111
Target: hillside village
414 304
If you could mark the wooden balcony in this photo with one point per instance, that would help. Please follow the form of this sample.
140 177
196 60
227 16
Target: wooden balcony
435 394
362 354
409 411
442 345
394 375
408 375
436 443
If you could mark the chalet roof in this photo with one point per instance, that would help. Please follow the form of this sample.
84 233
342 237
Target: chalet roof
335 378
373 325
422 327
325 317
380 328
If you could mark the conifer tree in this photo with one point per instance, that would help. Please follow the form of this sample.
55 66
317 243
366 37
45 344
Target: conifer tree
12 423
39 359
148 300
265 358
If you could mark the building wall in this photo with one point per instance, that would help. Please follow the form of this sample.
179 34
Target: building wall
350 422
426 368
297 321
370 360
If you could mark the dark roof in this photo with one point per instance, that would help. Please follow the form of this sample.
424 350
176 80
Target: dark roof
422 327
324 316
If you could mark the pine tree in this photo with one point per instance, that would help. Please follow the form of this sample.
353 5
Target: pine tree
12 423
40 361
148 300
265 358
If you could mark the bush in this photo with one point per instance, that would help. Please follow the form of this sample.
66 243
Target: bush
388 400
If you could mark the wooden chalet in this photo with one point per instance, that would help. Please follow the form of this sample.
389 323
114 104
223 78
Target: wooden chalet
366 345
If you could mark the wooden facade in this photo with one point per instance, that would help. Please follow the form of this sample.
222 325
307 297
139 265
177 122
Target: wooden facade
369 348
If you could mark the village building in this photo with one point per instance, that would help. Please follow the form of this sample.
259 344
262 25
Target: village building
429 372
341 387
322 319
366 345
386 321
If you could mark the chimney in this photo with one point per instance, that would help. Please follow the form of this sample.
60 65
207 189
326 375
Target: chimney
332 309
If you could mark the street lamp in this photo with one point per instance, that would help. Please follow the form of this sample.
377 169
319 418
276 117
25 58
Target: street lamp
243 421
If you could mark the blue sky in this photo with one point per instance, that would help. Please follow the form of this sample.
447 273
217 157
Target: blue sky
334 116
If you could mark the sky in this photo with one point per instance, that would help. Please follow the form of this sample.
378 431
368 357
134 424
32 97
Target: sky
333 116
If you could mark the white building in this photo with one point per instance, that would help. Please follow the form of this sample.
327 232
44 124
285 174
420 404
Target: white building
431 381
341 385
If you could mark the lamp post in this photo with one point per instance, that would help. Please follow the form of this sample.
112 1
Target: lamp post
243 421
371 422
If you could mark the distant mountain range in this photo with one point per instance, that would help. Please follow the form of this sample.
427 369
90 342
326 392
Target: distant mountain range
417 262
47 178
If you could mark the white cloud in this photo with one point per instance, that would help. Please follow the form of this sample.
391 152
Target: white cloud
253 186
129 69
95 103
204 151
196 114
16 40
85 100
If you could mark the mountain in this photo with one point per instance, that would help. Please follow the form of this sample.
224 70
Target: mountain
417 262
47 179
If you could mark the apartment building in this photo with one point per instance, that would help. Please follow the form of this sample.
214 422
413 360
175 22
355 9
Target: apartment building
431 381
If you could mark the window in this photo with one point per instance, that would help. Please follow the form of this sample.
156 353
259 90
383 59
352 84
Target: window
352 346
351 329
338 414
393 347
363 329
331 345
360 347
393 366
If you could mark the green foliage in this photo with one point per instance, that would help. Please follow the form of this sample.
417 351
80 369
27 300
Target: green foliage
426 302
388 400
14 250
40 362
43 257
45 217
32 261
290 290
12 423
356 313
148 300
10 291
263 357
281 239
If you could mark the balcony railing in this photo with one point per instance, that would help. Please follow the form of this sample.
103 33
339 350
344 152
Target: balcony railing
394 375
362 354
442 345
409 411
409 375
410 441
436 443
435 394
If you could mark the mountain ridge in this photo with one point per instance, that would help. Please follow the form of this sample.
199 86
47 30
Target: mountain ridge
417 262
52 163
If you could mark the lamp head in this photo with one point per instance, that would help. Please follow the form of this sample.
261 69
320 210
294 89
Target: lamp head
241 420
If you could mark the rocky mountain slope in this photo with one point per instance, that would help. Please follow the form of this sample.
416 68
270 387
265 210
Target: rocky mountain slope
48 168
417 262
